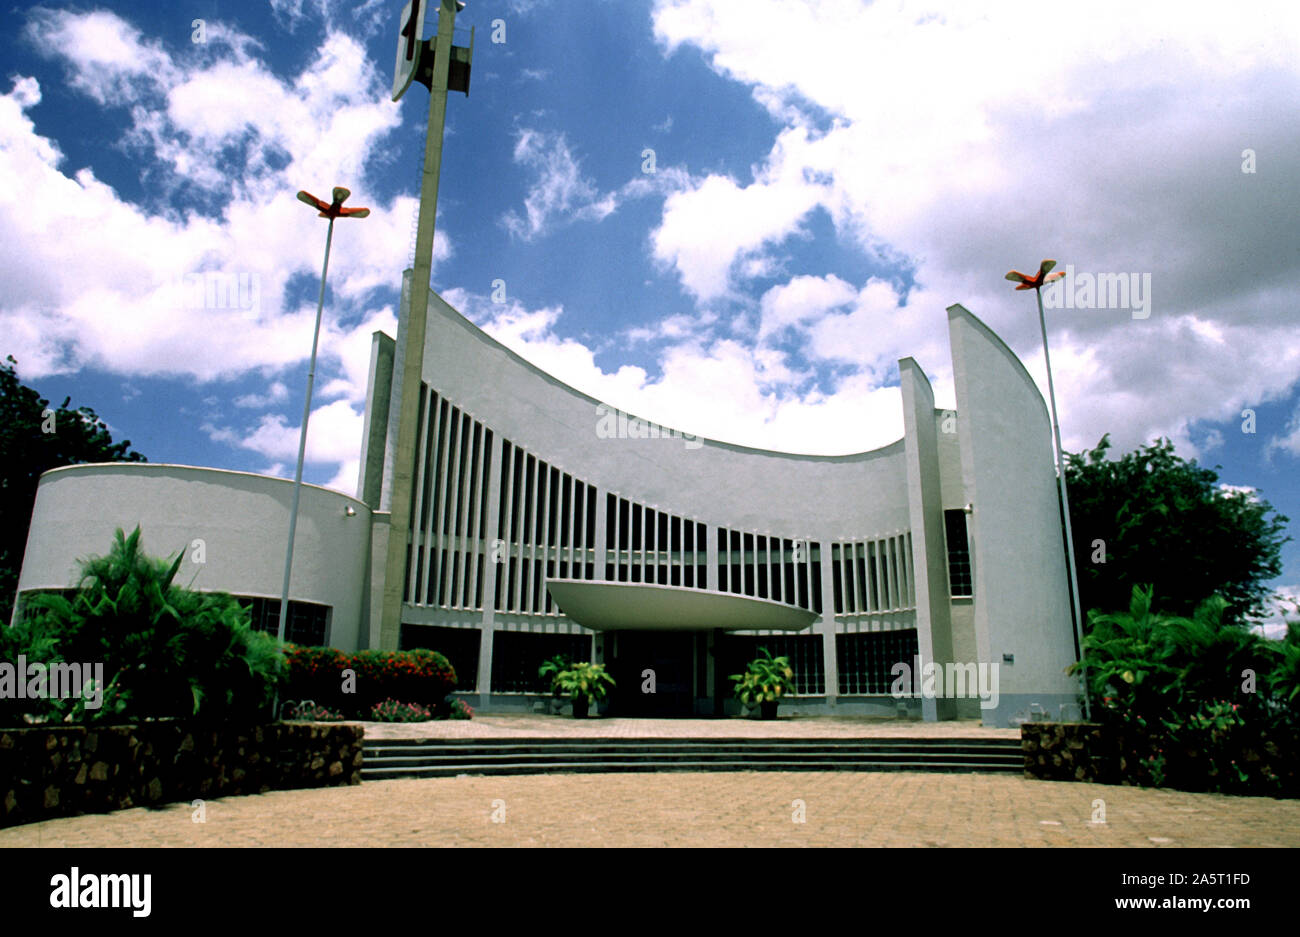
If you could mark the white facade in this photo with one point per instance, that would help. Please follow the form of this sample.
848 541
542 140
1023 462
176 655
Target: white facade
232 527
522 481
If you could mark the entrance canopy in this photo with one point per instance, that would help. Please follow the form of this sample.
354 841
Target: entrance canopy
643 606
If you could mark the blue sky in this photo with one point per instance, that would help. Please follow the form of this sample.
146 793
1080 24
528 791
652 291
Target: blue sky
828 176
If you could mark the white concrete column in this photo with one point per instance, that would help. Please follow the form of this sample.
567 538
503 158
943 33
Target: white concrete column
599 544
430 550
825 627
491 569
711 557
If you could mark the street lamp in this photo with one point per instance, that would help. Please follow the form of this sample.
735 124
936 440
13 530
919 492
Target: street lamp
330 210
1036 283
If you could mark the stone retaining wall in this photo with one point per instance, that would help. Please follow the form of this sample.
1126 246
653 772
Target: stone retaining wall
52 771
1067 751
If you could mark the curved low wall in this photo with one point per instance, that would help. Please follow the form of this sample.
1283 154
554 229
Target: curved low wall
233 527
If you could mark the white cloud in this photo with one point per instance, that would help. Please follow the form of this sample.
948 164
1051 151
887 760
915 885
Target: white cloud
1238 491
1281 607
560 193
962 142
559 189
1288 440
112 59
332 435
276 393
706 229
802 298
129 310
369 15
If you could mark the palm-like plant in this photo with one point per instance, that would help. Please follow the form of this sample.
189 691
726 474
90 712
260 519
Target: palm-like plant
1147 663
1125 657
1284 679
167 651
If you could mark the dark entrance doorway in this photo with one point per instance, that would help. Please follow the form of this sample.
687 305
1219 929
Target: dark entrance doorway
670 655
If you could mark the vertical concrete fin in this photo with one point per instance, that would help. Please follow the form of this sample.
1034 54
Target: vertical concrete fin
925 509
395 396
1022 602
379 389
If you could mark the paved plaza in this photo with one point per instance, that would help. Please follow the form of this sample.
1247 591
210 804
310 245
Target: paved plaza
804 808
695 809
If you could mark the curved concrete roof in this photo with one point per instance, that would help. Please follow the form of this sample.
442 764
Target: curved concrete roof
614 606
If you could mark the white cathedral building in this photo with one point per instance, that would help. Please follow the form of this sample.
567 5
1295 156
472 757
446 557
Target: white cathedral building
544 521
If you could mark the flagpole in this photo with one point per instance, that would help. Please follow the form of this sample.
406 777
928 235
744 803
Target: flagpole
1071 568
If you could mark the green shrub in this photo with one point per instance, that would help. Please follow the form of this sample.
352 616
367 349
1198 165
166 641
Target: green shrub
1196 703
167 651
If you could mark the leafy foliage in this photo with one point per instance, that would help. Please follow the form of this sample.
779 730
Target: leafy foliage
1198 703
550 668
583 679
167 651
765 680
1166 522
79 437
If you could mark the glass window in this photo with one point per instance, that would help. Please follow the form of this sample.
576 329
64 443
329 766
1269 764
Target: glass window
959 566
866 659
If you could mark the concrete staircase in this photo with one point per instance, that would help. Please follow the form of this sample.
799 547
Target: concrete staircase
433 758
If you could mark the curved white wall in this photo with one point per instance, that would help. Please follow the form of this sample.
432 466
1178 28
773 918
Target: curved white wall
1022 604
242 518
821 497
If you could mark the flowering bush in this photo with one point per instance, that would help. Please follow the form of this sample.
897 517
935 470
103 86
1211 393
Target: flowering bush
308 711
391 710
459 709
317 673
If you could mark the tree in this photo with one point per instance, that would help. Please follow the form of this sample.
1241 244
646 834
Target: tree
35 438
1153 518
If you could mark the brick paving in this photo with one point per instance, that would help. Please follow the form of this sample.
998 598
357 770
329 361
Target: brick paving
695 809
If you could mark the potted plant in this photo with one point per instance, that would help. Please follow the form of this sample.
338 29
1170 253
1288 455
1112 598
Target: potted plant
546 674
764 682
584 683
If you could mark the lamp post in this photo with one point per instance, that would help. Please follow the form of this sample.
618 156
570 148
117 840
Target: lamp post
330 210
1036 284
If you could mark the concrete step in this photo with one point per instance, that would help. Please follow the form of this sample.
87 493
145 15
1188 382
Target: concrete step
702 758
614 744
391 758
570 767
